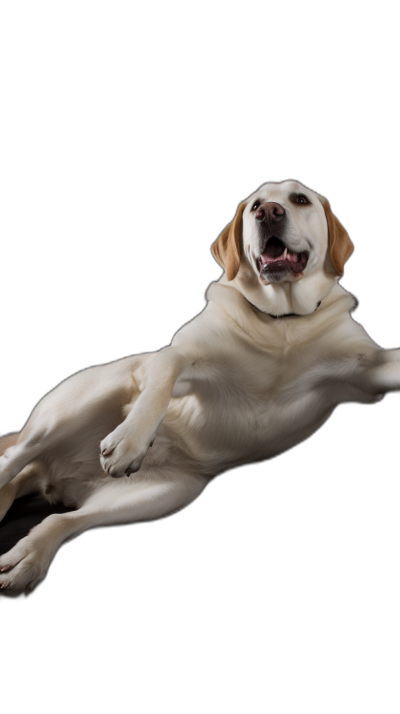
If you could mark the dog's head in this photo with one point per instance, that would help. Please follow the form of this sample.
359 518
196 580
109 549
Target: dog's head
285 246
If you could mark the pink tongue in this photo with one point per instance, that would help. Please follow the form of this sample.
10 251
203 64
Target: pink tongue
273 253
274 248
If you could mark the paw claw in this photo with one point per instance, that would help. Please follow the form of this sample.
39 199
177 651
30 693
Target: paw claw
107 452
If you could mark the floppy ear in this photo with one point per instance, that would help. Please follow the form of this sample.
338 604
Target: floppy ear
227 249
340 245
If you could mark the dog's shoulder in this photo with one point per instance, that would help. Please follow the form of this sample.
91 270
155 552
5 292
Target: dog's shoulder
231 324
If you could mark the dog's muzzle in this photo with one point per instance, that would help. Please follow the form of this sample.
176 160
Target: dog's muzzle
276 261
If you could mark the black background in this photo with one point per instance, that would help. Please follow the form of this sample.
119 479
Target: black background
111 207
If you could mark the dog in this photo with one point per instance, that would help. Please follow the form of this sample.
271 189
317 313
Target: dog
260 369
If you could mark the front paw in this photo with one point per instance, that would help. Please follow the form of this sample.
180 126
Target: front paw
121 453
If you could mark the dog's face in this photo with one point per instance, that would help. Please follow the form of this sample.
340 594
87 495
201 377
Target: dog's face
285 232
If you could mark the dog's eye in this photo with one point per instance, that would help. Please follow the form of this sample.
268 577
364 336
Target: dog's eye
301 199
256 205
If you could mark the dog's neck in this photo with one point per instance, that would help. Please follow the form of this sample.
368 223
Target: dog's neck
278 317
226 296
283 299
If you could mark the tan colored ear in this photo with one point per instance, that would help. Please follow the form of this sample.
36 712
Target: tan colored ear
340 245
227 249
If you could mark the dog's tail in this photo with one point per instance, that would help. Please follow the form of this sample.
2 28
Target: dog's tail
8 440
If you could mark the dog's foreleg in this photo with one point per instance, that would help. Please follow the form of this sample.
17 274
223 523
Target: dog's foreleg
379 372
123 450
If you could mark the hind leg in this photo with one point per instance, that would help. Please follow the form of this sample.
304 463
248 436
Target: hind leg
69 410
7 441
25 483
116 502
15 455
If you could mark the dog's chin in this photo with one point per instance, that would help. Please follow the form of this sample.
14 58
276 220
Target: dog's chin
278 273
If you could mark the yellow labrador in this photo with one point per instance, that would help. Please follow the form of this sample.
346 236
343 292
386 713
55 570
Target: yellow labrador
260 369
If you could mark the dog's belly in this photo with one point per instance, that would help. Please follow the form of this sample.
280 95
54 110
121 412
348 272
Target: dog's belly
217 433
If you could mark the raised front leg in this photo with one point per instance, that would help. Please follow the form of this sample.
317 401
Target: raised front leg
123 450
379 371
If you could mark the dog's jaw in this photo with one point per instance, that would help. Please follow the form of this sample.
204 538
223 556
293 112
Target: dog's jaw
299 296
278 263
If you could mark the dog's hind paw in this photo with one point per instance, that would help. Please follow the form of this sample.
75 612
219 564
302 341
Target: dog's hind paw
22 568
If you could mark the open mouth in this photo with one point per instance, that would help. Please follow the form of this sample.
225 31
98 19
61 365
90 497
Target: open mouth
277 261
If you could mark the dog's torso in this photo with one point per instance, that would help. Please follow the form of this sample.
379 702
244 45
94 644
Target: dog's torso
256 385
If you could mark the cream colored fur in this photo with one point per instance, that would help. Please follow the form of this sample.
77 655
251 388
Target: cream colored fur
234 386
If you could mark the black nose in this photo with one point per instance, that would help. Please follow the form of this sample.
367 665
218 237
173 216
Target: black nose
270 212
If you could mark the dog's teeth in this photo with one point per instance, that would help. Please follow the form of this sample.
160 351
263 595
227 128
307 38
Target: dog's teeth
284 254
